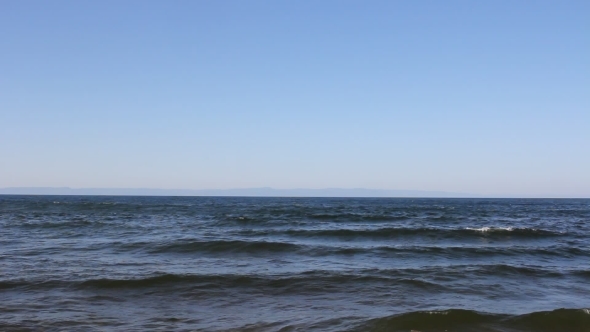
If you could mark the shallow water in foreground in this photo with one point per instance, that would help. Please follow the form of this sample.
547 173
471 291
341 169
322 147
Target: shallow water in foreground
83 263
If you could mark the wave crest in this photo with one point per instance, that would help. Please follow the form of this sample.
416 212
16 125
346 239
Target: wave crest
572 320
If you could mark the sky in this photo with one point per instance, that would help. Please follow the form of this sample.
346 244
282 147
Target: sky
483 97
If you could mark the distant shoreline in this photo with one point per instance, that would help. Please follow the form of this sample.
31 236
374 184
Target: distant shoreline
242 192
257 192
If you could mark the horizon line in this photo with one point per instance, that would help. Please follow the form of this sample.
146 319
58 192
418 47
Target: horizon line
332 192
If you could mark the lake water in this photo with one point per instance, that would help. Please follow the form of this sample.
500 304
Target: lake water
116 263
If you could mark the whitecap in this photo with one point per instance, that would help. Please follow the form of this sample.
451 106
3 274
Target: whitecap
491 229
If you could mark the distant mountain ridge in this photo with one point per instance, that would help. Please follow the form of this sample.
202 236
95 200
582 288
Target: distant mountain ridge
260 192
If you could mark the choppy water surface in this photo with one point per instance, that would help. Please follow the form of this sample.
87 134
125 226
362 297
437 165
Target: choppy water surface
73 263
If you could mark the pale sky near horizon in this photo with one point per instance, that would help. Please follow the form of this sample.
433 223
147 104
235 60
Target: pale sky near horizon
483 97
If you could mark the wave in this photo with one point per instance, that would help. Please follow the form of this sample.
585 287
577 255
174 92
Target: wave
468 272
314 281
572 320
357 217
506 270
388 232
322 249
297 217
453 251
12 284
62 223
427 278
514 230
311 281
221 246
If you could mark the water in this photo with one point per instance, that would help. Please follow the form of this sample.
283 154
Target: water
81 263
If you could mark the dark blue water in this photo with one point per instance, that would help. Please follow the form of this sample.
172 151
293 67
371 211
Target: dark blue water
80 263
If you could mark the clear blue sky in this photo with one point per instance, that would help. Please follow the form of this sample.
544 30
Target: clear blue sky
485 97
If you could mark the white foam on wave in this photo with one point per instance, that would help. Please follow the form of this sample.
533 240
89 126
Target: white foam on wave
443 312
491 229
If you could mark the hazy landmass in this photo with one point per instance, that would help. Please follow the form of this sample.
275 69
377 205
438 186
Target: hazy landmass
264 191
